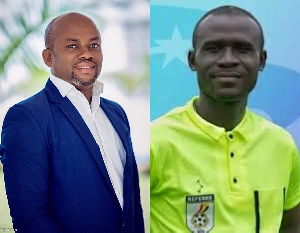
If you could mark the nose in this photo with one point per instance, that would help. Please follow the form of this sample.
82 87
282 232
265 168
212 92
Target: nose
228 58
86 53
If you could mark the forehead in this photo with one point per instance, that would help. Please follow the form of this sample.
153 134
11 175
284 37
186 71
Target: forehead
77 27
225 28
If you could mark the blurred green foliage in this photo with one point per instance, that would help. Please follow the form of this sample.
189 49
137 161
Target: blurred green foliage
131 83
20 29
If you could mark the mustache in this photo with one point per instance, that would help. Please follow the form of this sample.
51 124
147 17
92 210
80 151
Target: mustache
85 61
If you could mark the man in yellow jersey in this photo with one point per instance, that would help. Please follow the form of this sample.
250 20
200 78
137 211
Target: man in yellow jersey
216 166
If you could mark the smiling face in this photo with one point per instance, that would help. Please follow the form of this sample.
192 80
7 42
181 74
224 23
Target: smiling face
76 55
227 57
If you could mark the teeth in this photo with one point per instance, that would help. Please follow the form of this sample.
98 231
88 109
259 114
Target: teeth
83 67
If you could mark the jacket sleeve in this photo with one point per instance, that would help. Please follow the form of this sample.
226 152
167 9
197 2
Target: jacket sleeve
24 154
138 211
139 220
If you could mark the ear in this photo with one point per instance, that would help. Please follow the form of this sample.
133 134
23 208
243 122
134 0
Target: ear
192 60
263 59
47 56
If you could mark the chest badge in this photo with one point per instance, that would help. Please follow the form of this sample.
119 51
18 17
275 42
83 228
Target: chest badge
200 213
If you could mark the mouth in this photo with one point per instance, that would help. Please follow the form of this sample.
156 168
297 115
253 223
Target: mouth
227 75
85 68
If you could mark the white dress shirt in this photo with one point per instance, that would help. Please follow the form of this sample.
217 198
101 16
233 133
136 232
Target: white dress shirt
108 140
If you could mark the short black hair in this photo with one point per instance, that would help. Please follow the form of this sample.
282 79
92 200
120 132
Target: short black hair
229 11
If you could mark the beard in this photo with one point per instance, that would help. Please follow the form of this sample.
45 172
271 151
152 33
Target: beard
77 81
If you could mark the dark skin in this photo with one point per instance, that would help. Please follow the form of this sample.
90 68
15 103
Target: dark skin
76 55
291 220
227 58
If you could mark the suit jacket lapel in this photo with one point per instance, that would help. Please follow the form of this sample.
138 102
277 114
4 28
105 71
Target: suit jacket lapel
75 118
123 131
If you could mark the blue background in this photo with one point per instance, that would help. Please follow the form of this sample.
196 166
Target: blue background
277 94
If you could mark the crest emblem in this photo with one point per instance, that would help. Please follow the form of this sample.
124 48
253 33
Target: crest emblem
200 213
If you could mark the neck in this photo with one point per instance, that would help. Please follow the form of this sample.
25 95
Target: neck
222 114
86 91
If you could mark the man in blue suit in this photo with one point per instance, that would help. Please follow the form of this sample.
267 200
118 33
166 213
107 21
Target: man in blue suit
67 155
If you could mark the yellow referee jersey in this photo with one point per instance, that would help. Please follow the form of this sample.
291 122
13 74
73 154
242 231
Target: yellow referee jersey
204 179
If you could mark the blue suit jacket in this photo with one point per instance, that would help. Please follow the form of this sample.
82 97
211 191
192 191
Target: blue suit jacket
55 178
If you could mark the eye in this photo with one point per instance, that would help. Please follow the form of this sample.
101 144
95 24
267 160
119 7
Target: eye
72 46
212 48
95 46
244 48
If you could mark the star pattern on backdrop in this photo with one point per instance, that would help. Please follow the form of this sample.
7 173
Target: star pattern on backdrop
174 48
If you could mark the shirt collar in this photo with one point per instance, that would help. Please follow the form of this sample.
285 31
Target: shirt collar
97 91
62 86
98 88
215 132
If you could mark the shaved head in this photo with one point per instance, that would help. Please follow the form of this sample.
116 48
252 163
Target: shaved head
50 29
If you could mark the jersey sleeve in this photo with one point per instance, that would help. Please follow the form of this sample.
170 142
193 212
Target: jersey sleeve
293 191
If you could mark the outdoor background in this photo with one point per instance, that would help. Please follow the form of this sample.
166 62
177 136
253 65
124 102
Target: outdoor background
277 95
124 28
